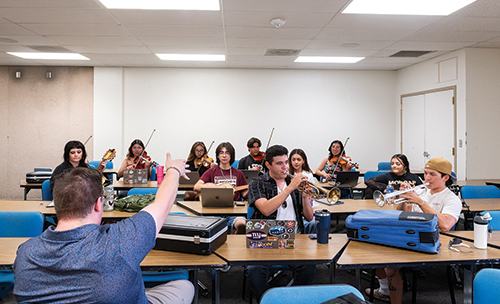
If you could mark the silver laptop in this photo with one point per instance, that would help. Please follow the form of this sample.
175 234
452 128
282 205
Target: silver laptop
193 178
250 174
216 197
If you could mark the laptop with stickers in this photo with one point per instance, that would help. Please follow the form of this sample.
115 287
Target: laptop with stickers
270 233
217 197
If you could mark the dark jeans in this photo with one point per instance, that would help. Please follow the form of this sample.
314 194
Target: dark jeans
258 275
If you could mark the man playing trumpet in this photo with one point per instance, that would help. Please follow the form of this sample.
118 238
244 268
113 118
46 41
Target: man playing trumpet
437 198
274 195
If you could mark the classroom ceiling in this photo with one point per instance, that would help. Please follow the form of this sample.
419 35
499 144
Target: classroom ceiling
241 30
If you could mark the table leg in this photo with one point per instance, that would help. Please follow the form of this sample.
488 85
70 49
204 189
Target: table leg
468 283
195 283
26 190
358 278
217 287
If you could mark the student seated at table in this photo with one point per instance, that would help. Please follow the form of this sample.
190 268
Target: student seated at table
74 156
224 175
274 195
334 162
299 164
194 160
400 173
253 161
438 199
132 160
80 261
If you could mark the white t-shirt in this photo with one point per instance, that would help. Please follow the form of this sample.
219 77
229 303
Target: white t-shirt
287 213
445 202
310 176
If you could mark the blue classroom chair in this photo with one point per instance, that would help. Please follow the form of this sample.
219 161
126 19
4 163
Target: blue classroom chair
487 286
94 163
314 294
46 192
17 224
370 174
471 192
384 166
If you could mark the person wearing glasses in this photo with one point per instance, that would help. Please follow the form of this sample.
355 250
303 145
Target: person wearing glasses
223 175
274 195
194 160
436 198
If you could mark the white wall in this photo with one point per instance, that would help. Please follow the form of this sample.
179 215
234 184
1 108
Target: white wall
483 109
425 76
309 109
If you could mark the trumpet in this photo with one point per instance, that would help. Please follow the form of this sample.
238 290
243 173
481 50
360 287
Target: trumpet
317 192
382 199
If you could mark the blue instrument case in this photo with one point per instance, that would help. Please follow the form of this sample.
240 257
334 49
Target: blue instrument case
410 230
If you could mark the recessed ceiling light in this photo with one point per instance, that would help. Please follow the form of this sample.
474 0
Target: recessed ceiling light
50 56
205 5
398 7
192 57
324 59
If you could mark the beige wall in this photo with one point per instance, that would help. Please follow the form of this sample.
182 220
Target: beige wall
38 117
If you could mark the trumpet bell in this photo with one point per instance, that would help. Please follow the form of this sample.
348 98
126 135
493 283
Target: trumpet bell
333 195
379 199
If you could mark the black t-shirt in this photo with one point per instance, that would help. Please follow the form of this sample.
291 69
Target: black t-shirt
380 182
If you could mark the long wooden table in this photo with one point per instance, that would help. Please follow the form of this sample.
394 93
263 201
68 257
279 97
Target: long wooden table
196 208
306 251
119 185
483 204
360 255
156 260
28 186
41 206
493 237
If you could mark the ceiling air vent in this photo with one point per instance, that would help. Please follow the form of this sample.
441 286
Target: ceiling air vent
281 52
49 49
414 54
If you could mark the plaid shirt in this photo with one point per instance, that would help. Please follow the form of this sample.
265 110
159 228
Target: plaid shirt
265 186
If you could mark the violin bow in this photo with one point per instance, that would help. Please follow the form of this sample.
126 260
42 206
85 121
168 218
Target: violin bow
210 147
340 157
143 150
268 142
87 140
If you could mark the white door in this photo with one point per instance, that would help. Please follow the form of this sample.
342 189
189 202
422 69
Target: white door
428 127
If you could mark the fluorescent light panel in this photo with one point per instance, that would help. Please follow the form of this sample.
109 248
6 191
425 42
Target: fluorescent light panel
192 57
323 59
204 5
400 7
49 56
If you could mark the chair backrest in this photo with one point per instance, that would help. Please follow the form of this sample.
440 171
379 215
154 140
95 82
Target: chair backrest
235 164
480 192
370 174
46 192
495 219
20 223
313 294
384 166
249 211
95 163
486 286
153 174
142 191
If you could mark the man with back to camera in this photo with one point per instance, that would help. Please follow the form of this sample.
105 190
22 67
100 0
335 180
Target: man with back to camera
80 261
436 198
274 195
253 161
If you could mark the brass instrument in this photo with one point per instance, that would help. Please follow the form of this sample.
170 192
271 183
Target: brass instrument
332 195
382 199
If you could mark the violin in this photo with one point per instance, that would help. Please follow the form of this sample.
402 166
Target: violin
141 160
205 161
344 160
259 156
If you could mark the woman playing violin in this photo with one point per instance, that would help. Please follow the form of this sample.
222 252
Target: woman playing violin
327 166
74 156
195 159
134 152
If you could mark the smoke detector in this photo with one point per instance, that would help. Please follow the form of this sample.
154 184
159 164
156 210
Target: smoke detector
278 22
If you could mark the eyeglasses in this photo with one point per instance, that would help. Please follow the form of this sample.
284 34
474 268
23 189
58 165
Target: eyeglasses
199 151
458 242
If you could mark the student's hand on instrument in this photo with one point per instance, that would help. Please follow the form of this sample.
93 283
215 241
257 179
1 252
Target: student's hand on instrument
328 177
131 166
103 163
178 165
258 168
297 180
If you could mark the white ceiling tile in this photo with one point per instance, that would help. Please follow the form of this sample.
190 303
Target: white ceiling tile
355 35
159 17
77 29
271 33
56 15
14 29
388 22
176 49
95 40
176 31
181 41
263 19
451 36
424 46
117 49
268 43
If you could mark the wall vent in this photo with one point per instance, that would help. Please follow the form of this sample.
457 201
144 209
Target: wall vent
281 52
413 54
